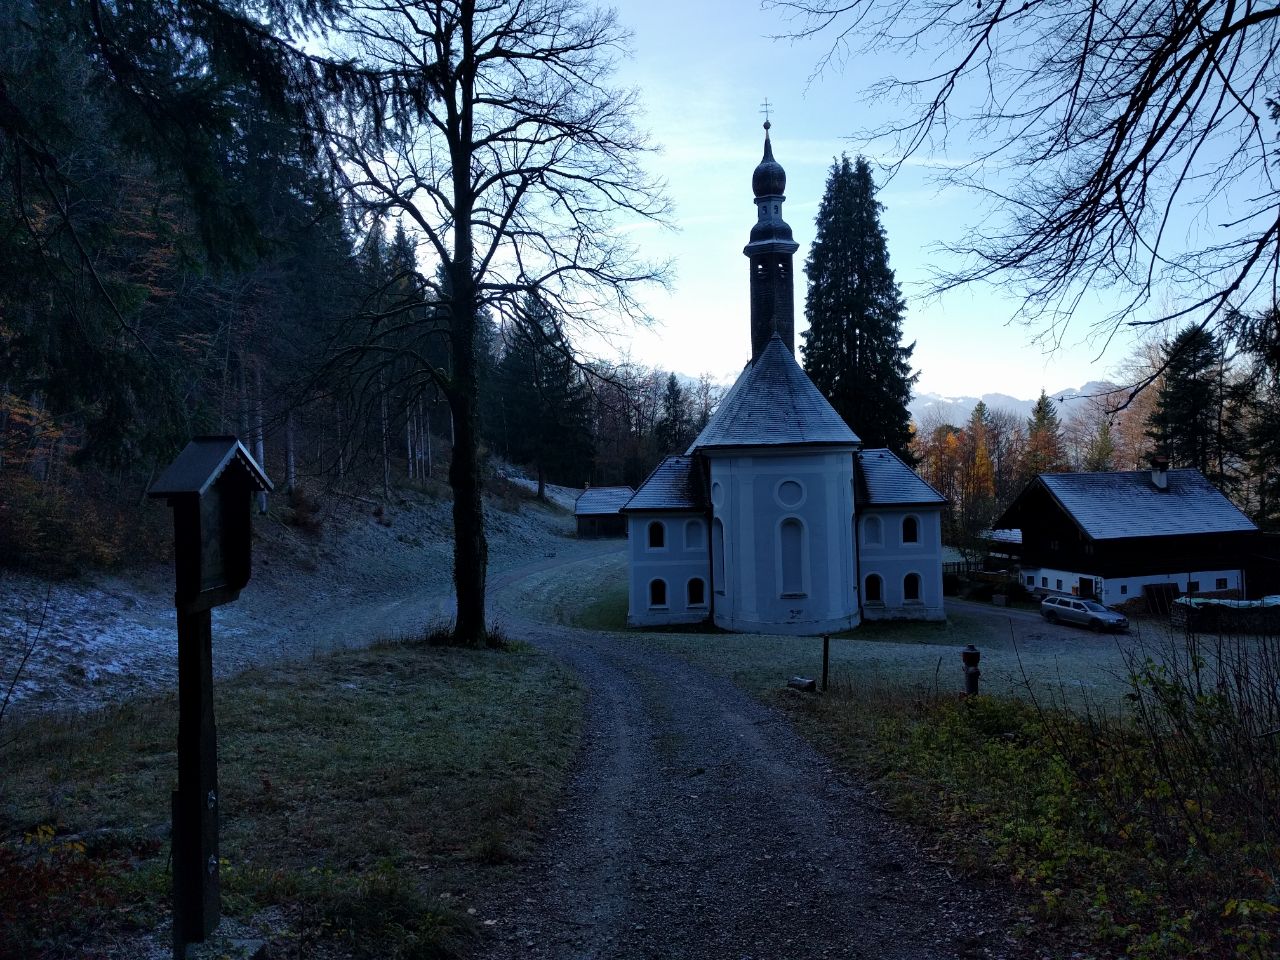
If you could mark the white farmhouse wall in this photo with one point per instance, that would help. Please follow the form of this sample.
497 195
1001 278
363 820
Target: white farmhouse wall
765 581
891 559
682 558
1047 580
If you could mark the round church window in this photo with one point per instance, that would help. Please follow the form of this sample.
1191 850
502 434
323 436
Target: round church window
790 493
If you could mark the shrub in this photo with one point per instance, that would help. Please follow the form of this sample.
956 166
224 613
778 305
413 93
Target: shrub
951 584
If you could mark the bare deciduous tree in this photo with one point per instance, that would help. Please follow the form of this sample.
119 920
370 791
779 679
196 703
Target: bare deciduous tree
1126 145
514 168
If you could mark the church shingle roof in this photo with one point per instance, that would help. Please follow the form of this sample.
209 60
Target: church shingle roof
774 403
884 480
601 500
1122 504
673 485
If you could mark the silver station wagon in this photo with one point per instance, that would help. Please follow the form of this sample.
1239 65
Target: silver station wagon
1087 613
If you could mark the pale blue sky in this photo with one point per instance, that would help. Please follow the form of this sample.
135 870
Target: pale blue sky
703 67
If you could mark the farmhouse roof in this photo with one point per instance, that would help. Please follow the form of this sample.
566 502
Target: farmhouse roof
1126 504
884 480
596 501
773 403
675 484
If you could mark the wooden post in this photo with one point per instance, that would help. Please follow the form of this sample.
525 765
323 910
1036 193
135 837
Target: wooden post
826 659
196 890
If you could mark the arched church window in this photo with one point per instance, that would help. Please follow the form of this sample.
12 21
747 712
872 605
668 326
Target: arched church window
910 530
697 592
872 531
874 590
657 535
911 587
791 547
717 555
657 593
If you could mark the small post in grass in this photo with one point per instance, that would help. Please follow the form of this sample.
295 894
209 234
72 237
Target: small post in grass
826 659
209 487
970 656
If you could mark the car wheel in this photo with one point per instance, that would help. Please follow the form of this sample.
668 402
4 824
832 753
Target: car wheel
1095 626
1050 616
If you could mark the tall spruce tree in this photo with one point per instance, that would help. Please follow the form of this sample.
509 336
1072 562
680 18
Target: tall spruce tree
1194 422
853 348
1045 450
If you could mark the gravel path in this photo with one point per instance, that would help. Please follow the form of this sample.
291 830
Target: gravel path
699 824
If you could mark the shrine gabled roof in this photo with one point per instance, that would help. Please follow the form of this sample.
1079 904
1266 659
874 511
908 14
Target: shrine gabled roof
774 403
601 500
1124 504
202 462
675 484
884 480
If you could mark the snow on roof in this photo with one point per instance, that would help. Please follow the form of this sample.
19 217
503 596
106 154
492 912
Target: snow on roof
774 403
600 500
1004 536
673 485
1113 506
884 480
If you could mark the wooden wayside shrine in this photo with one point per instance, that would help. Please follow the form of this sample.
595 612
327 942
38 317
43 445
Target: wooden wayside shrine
209 487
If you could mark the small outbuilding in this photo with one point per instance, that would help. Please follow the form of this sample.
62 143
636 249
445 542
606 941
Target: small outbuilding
1108 535
598 511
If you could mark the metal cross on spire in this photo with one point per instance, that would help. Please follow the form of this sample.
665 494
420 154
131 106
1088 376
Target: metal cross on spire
764 108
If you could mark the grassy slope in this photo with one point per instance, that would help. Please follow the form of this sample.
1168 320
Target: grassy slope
365 794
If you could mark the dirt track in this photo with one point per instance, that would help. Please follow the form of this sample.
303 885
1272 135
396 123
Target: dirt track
700 825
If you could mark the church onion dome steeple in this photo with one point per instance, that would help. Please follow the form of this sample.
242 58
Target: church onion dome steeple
770 250
769 179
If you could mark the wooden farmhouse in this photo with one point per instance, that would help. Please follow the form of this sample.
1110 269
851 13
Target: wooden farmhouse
597 511
774 520
1109 535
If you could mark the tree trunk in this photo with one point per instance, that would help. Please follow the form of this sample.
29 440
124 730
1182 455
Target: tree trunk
259 440
427 437
386 437
290 456
409 427
341 448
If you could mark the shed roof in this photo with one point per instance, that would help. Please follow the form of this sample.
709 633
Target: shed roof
884 480
595 501
202 462
675 484
1125 504
774 403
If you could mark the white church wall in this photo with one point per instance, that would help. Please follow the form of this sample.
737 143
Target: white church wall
884 552
788 562
679 561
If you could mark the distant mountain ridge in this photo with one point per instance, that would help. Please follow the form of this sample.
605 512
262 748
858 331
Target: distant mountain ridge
956 410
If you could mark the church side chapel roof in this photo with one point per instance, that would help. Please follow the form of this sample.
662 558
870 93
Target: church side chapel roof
675 484
598 500
885 481
774 403
1122 504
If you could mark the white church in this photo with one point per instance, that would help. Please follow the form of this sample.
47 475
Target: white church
776 520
